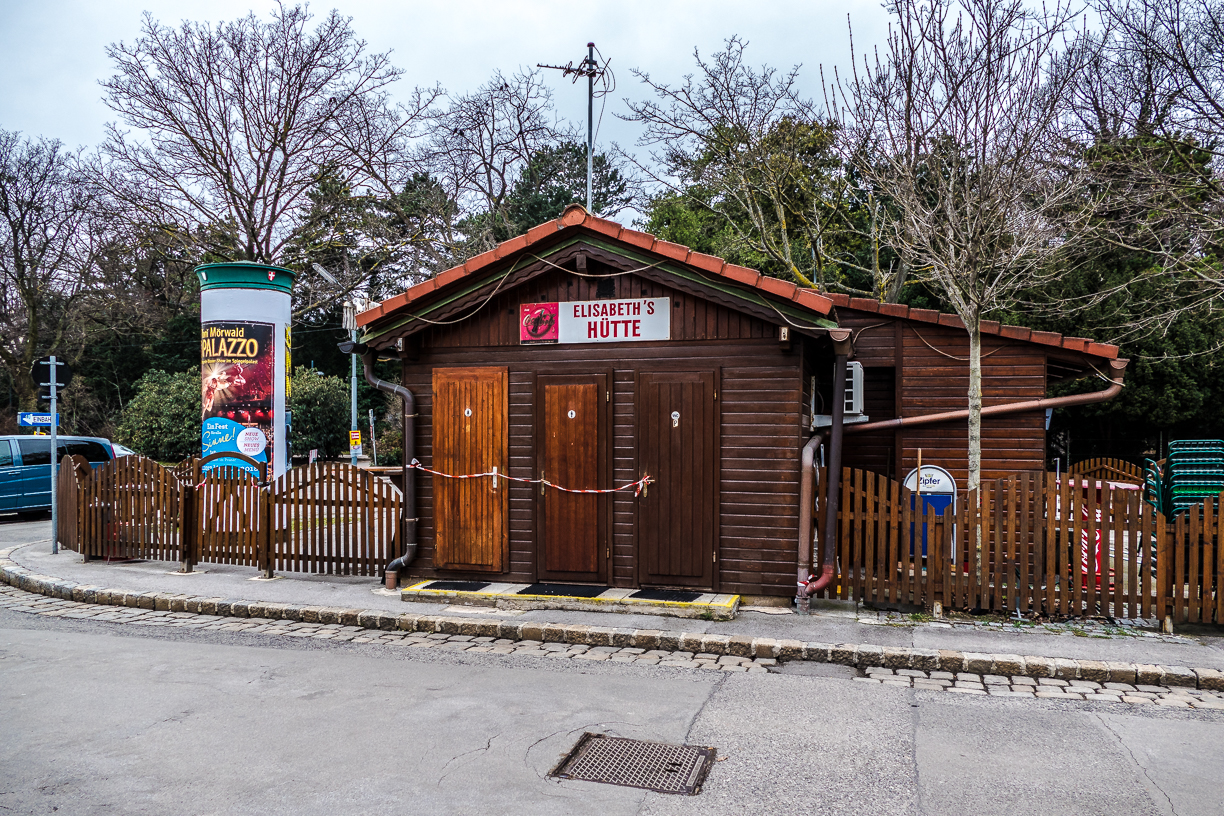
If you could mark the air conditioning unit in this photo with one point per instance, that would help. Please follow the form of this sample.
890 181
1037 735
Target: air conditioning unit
853 400
854 389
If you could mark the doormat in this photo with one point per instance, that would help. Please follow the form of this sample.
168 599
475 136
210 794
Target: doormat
655 766
564 590
457 586
675 595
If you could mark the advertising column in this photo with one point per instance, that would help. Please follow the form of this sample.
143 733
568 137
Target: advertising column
245 316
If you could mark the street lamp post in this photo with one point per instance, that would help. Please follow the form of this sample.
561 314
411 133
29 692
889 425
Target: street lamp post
350 323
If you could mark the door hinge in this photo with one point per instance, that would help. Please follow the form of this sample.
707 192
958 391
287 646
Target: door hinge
609 553
608 398
716 556
715 394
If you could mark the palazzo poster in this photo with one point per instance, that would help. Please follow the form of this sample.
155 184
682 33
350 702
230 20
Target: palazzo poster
237 383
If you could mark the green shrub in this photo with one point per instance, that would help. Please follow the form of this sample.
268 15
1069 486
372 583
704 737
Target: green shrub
162 420
320 406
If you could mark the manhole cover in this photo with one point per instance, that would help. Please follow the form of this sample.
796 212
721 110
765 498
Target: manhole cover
654 766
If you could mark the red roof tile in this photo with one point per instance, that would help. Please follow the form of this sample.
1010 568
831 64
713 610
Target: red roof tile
510 247
575 216
777 286
741 273
1015 332
707 262
988 326
821 303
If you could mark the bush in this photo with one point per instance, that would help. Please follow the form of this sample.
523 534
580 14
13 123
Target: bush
162 420
320 406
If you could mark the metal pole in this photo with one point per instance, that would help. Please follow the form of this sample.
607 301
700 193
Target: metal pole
354 396
590 120
373 442
54 458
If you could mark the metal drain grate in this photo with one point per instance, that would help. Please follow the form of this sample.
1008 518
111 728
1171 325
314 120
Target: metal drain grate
632 763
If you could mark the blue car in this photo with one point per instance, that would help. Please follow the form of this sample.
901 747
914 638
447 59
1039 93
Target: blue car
25 468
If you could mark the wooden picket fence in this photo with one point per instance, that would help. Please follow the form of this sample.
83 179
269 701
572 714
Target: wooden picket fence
326 517
1031 543
333 518
130 507
1193 563
1114 470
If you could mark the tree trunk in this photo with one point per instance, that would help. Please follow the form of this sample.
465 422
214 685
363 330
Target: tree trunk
25 391
975 405
975 430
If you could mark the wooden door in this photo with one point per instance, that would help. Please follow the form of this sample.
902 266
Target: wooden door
470 436
677 420
571 529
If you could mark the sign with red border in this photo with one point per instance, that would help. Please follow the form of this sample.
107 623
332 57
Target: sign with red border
596 321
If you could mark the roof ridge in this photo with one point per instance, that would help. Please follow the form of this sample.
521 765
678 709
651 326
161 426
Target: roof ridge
994 327
575 215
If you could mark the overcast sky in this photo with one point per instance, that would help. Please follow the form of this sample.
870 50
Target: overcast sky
52 53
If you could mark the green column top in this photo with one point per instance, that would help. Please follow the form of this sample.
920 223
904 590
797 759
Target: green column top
244 275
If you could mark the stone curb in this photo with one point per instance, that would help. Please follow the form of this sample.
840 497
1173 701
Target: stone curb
862 656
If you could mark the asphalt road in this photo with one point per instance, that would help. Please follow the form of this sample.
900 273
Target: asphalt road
104 718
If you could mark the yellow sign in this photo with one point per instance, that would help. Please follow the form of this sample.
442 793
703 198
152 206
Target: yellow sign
354 443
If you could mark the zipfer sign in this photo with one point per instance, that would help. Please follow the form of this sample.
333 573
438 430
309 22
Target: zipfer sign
596 321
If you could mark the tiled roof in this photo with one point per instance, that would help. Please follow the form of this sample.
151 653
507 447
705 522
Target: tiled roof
576 216
900 311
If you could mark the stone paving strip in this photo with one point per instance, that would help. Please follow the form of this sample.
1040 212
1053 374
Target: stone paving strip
947 670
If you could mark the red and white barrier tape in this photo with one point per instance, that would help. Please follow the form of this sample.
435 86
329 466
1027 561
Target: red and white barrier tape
637 486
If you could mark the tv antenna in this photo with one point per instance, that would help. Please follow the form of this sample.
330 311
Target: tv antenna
593 71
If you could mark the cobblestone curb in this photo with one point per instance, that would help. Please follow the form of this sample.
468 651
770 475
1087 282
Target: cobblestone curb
861 656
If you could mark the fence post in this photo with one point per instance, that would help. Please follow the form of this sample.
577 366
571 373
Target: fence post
265 530
187 519
1163 551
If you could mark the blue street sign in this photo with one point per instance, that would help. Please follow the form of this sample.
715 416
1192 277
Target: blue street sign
31 420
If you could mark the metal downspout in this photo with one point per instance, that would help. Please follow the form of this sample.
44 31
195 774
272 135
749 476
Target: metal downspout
409 530
807 487
814 584
1117 374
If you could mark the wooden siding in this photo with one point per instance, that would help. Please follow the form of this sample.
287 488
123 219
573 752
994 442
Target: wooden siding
933 380
693 318
759 403
763 394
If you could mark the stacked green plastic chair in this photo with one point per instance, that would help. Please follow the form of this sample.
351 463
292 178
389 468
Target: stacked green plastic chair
1153 485
1193 470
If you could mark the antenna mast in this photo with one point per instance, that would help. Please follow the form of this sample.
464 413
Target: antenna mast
590 69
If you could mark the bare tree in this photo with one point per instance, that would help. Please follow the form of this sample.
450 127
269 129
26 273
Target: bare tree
236 121
957 122
1156 111
743 144
46 253
483 141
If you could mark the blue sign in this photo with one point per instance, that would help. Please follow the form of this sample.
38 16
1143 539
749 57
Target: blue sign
938 491
220 435
27 419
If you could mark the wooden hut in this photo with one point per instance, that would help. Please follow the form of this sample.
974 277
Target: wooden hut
591 356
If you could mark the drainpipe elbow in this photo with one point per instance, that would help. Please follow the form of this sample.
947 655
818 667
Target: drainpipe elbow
819 584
